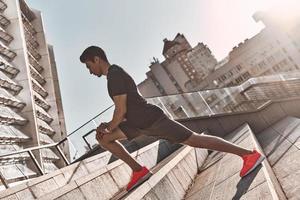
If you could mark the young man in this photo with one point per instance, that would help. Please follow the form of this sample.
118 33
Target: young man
133 116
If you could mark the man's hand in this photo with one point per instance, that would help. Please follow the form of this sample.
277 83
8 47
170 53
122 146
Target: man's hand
102 130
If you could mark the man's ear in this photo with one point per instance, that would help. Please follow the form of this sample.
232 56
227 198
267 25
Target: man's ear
96 59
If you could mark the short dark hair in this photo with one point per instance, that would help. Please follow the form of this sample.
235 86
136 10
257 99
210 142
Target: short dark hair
89 53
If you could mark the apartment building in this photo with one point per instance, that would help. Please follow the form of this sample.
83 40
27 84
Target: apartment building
30 100
274 50
182 70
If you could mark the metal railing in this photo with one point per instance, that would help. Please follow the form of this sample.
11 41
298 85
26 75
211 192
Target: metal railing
230 97
33 158
56 145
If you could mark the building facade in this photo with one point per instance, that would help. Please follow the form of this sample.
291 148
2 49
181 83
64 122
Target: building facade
183 69
31 107
274 50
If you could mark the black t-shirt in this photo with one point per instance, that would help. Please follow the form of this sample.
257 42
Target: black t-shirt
139 113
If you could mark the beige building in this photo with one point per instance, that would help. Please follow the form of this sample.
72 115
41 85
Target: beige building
275 50
183 69
31 107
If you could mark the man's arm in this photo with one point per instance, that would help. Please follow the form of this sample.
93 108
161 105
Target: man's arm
119 112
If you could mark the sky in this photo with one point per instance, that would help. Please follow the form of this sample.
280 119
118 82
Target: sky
132 32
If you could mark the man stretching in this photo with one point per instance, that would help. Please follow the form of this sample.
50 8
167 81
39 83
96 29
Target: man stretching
133 117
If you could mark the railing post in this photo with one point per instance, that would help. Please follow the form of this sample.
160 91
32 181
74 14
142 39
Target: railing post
62 155
36 162
88 144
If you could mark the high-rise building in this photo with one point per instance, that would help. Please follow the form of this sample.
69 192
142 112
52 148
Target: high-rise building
182 70
31 107
274 50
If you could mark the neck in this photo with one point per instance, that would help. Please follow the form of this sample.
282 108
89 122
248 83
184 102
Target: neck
105 66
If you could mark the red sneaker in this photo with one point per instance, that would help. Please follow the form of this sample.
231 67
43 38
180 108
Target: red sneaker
251 161
138 178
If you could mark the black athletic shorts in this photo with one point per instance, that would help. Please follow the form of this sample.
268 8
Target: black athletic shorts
162 128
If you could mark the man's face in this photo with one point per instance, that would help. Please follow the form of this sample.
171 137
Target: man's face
94 66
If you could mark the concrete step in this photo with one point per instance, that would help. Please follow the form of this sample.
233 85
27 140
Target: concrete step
111 180
281 144
171 178
83 172
219 176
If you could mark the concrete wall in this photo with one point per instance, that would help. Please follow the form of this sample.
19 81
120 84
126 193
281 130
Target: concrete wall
258 121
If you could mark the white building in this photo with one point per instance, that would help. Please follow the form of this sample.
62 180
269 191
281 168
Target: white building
30 101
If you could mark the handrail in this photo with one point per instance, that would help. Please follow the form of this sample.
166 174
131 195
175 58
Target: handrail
56 145
37 165
84 136
90 120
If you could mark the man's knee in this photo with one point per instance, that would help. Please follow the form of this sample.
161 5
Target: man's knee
193 140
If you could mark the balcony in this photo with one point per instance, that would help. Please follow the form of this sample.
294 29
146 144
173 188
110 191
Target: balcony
48 154
8 84
5 37
9 100
8 69
7 116
37 76
30 38
35 63
4 22
39 100
44 127
33 52
28 25
43 115
38 88
11 147
12 134
26 11
45 139
6 53
3 6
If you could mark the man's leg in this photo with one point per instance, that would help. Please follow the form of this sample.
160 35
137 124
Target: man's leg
110 142
215 143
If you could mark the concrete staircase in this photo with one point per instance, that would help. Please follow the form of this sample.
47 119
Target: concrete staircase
83 174
182 172
219 177
281 144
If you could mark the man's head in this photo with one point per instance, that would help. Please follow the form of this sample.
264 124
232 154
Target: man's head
95 59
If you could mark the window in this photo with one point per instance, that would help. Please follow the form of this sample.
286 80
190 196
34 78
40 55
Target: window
239 79
246 75
239 67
